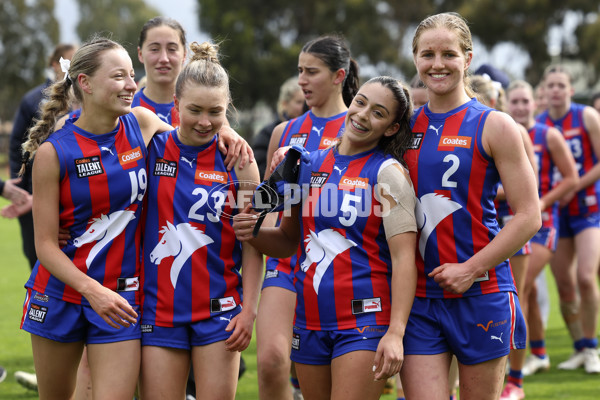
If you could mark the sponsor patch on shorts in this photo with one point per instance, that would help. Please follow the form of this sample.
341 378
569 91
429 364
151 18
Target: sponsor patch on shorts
223 304
41 297
37 313
146 328
128 284
361 306
271 274
296 341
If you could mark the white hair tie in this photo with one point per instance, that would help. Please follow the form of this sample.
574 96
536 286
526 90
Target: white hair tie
64 67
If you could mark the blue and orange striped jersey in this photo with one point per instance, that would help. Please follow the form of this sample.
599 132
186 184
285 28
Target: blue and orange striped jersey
102 185
455 182
191 257
343 274
166 112
577 137
312 133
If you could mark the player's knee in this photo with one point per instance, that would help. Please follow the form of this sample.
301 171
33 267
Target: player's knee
568 308
273 363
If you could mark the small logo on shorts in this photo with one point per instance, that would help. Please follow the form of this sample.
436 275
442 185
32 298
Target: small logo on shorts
492 324
221 318
271 274
492 337
37 313
296 341
147 328
41 297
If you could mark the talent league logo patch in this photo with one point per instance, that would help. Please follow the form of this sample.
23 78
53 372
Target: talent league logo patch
147 328
130 158
299 139
415 141
88 166
164 167
37 313
318 178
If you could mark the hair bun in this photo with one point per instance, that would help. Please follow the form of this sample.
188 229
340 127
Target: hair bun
205 51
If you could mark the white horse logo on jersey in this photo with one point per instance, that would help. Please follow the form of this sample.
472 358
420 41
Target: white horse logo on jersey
180 241
103 230
322 248
432 209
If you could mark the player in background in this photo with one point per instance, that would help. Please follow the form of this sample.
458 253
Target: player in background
554 161
328 77
577 258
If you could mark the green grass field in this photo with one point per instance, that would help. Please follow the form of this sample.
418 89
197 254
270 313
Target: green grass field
15 349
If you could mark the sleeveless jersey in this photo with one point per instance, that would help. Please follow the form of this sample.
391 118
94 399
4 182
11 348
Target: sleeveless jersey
191 257
548 174
571 126
455 182
343 274
102 186
165 111
313 133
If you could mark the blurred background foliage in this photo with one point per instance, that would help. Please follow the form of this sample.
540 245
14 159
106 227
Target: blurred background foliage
260 39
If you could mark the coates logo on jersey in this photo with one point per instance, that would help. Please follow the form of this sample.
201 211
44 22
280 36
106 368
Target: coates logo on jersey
130 158
202 177
569 133
326 142
348 183
450 142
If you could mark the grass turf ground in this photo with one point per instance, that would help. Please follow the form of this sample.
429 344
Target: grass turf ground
15 348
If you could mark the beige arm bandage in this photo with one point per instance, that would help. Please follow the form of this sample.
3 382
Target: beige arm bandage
397 197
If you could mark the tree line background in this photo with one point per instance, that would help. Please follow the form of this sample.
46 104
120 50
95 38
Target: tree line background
260 39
